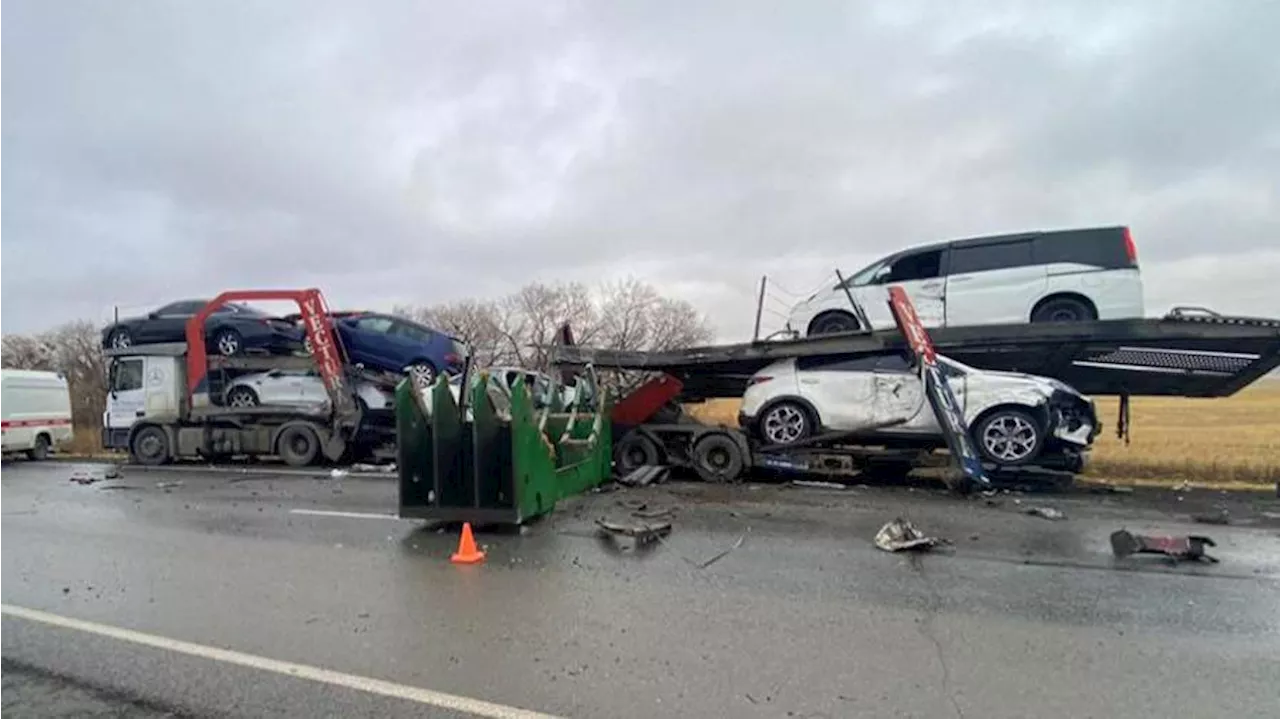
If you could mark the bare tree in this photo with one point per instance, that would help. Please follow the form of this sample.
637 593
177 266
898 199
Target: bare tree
517 329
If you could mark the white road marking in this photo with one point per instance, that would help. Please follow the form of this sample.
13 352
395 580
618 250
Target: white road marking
440 700
352 515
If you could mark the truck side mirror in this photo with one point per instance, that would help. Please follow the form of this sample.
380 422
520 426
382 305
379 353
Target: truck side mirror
111 379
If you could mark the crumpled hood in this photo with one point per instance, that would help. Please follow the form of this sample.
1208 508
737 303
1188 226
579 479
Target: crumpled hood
1011 379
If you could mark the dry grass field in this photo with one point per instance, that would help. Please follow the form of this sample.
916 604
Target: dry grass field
1235 439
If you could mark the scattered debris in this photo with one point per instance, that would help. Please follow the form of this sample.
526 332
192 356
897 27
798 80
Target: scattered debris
1109 489
1124 543
112 472
168 485
1183 486
659 513
337 473
901 535
116 485
366 467
645 475
641 532
82 477
1221 516
816 485
717 557
1045 512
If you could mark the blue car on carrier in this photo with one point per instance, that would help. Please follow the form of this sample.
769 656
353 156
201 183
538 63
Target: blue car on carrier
395 344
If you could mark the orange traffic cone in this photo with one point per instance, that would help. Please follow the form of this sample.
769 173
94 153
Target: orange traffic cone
467 552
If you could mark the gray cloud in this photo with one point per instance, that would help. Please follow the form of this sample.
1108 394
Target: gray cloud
402 151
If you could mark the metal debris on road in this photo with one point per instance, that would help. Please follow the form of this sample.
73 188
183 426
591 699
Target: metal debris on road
718 556
338 473
1045 512
1220 516
645 475
659 513
1125 543
811 484
168 485
901 535
365 467
641 532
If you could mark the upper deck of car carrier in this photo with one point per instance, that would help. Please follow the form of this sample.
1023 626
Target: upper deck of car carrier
1188 352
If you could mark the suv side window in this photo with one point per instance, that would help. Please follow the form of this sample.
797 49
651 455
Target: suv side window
896 362
981 258
918 266
837 363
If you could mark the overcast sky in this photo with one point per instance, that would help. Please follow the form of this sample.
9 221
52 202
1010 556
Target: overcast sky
429 151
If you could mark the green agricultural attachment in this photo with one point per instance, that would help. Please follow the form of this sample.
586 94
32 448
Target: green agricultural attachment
502 458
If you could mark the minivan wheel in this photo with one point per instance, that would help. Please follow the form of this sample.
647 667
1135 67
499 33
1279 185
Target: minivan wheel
1063 309
40 450
1009 437
833 322
785 423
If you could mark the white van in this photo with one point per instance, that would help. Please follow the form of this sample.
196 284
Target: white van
1060 276
36 408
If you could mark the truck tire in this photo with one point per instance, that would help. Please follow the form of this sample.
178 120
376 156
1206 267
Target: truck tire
150 446
717 458
633 451
297 445
40 450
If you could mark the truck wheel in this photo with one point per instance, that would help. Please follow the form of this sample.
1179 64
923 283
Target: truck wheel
717 458
150 446
298 445
41 449
228 342
1009 436
635 451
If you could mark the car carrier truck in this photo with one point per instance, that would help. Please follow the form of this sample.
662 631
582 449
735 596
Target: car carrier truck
163 399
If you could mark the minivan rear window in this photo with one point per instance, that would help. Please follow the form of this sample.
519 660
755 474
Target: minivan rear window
1101 248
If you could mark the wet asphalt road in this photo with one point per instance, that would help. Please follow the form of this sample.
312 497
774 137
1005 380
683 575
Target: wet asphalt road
1023 617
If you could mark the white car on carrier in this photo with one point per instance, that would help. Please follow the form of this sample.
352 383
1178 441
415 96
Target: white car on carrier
37 411
1061 276
1015 419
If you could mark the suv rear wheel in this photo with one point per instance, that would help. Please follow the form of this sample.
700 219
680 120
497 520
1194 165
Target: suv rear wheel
1009 436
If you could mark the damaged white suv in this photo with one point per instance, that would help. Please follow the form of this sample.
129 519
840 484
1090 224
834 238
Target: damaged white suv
1015 419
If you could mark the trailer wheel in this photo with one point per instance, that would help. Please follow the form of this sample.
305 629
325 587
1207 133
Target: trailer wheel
634 451
150 446
298 445
717 458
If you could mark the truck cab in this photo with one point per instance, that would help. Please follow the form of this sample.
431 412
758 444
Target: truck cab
141 387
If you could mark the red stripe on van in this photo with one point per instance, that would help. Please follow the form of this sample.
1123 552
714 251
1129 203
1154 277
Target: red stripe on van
52 422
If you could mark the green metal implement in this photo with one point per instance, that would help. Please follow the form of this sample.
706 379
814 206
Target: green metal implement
505 458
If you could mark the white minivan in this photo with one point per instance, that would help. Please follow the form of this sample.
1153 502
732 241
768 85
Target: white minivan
36 408
1059 276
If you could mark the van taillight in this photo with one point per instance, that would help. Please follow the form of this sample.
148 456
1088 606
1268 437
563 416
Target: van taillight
757 380
1130 249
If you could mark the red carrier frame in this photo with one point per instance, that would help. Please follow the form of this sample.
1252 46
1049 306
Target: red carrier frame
325 347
